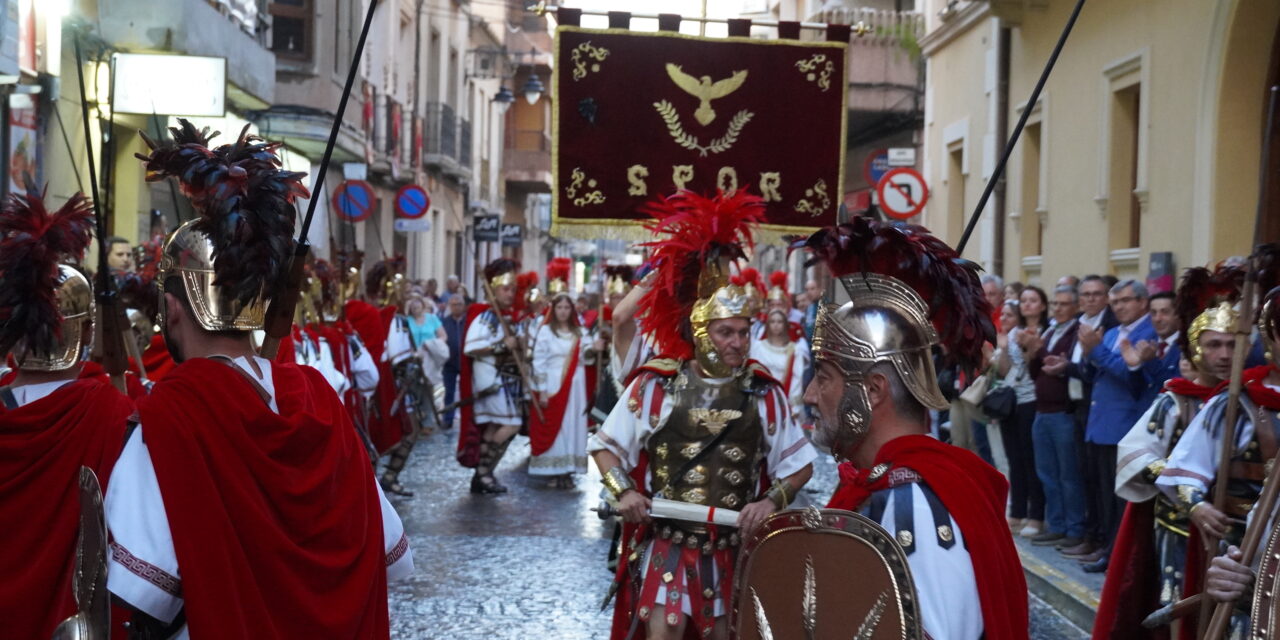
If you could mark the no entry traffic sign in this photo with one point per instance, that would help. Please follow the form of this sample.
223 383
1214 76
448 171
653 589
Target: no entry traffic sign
902 193
412 201
875 166
353 200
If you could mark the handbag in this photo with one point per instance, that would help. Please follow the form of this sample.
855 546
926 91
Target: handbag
977 390
999 403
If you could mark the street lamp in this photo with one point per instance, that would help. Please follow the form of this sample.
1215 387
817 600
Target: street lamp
533 89
503 99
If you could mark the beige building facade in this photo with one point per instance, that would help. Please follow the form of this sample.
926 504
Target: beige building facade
1146 139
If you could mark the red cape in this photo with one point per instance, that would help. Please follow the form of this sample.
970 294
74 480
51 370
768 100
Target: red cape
974 493
543 433
373 325
275 518
42 446
1132 587
469 436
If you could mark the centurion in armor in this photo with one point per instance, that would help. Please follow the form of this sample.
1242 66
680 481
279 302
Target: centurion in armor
700 425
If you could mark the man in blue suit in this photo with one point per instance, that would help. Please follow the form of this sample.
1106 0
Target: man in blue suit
1117 400
1156 362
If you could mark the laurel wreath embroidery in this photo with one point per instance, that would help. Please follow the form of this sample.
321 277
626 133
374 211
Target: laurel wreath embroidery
690 141
588 197
823 78
819 190
580 55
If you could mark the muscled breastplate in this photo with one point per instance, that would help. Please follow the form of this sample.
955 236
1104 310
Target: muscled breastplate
728 475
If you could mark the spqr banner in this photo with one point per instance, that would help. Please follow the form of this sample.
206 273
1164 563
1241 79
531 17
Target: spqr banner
642 114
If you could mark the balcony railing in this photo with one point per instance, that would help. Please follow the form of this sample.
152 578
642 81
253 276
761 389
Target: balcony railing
464 143
441 133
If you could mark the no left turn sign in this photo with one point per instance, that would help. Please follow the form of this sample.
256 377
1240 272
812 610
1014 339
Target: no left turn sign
902 193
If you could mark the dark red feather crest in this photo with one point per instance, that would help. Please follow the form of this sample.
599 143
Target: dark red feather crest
694 230
379 272
624 271
33 242
948 283
1202 288
245 201
1266 259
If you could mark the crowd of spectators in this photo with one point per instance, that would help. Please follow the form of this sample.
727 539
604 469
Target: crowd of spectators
1083 363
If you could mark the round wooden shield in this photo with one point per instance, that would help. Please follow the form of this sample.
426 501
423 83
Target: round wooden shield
815 574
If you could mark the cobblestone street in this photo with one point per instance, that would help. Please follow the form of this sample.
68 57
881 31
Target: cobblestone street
529 564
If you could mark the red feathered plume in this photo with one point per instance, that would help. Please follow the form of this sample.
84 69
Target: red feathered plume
1200 289
751 276
948 283
778 279
245 201
697 230
33 242
559 268
524 282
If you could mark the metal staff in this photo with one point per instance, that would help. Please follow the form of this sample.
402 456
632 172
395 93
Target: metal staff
1017 130
1253 532
110 315
279 319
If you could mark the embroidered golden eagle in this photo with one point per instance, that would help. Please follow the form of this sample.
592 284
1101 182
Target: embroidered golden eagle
705 90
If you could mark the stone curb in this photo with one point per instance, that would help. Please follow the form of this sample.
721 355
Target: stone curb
1076 602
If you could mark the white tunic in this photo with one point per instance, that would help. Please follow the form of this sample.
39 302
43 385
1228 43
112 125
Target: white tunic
28 393
945 583
142 568
399 344
776 359
485 332
364 371
1194 460
568 454
1144 445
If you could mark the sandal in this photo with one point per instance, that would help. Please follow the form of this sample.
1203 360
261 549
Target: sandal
392 486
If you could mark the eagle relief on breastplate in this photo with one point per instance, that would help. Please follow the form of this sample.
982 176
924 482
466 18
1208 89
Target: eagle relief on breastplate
726 477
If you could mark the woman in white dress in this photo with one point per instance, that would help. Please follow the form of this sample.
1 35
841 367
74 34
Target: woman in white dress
559 439
785 359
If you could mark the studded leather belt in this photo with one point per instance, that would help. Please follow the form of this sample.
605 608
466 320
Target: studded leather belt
708 539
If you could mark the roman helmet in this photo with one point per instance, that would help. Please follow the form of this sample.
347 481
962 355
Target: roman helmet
1206 301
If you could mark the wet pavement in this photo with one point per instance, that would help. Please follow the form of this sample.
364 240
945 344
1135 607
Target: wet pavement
529 563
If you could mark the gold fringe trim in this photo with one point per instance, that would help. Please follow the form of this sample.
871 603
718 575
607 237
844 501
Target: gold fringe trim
633 231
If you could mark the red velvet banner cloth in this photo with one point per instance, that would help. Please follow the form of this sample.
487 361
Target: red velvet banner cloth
643 114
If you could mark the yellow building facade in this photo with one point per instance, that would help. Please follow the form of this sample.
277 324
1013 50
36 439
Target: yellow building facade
1146 139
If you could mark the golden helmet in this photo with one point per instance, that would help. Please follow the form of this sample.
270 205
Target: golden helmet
75 304
188 255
